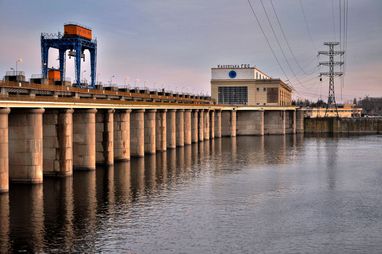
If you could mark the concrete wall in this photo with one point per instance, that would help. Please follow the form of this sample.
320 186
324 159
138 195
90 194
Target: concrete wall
84 139
26 146
122 135
187 127
180 127
161 130
299 121
150 131
274 122
228 123
343 125
250 122
290 121
171 128
137 133
105 137
58 142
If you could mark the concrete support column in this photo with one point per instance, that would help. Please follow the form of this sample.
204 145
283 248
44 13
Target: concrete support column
171 128
161 130
194 126
260 125
228 123
212 124
218 123
294 124
84 139
137 135
26 146
201 125
150 131
233 123
4 159
180 127
58 142
187 127
105 137
122 135
207 125
299 123
274 122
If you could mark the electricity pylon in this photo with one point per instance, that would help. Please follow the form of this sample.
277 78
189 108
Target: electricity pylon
332 73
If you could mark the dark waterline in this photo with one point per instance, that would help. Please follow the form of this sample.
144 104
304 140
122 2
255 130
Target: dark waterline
273 194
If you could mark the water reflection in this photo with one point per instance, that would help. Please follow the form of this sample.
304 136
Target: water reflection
68 214
27 218
4 223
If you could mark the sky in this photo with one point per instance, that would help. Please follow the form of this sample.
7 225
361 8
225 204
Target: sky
173 44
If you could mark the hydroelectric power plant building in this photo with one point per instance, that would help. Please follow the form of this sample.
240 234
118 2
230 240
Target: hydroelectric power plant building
247 85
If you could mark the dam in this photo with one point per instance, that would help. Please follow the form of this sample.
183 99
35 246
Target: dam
51 130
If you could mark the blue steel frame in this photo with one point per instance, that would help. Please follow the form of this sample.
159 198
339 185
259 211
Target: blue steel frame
63 43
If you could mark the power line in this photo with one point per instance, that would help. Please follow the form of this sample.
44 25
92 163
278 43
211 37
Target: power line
278 41
307 24
266 38
287 42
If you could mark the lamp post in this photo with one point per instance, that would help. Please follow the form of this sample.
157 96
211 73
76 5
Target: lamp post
18 61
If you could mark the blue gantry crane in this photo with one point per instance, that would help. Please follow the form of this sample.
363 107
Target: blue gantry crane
76 39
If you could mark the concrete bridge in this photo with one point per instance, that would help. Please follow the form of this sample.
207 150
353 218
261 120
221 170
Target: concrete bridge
51 130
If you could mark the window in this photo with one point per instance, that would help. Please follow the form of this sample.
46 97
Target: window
258 89
264 89
233 95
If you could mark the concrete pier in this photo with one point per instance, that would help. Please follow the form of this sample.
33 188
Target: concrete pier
4 159
207 125
137 135
212 124
26 146
290 122
150 131
228 123
218 123
171 128
180 127
250 122
274 122
201 125
58 142
161 130
122 135
299 121
194 126
105 137
187 127
84 139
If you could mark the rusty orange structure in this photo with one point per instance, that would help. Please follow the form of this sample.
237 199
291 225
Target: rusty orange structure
53 74
73 30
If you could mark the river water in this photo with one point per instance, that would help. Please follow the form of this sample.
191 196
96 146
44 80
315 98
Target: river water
273 194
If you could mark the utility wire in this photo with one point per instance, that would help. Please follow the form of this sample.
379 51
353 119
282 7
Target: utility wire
307 25
278 42
287 42
266 38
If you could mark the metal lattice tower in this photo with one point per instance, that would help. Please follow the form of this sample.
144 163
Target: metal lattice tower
332 73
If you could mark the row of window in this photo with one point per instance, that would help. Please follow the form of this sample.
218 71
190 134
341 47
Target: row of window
233 95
